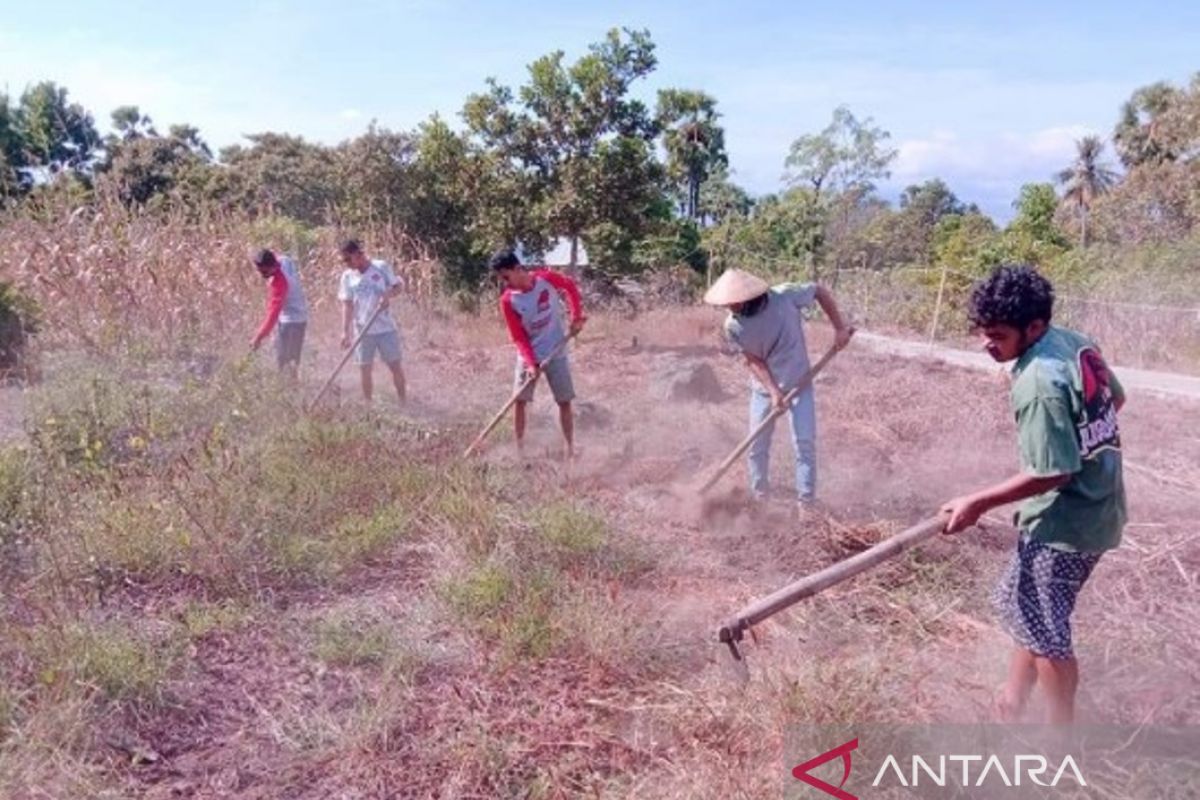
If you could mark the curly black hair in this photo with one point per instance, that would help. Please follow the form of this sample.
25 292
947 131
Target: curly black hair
1014 294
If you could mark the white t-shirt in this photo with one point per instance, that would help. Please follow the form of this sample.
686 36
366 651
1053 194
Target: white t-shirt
366 289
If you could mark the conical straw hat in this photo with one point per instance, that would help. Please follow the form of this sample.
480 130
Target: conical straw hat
735 286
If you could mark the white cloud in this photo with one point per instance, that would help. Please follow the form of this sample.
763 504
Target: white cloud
350 114
1034 155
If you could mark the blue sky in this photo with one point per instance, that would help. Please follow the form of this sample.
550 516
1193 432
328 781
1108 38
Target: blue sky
985 95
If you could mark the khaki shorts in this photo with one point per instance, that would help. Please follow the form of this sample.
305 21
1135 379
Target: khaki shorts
386 344
557 372
289 342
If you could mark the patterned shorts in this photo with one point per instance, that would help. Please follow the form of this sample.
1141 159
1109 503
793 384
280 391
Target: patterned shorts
1036 596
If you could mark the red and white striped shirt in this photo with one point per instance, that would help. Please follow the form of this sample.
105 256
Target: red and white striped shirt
535 318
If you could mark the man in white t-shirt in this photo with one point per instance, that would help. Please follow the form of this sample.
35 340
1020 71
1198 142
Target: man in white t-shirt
368 286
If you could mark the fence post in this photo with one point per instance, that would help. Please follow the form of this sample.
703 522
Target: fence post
937 310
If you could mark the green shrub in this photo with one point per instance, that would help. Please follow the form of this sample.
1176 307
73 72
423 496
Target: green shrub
107 658
342 641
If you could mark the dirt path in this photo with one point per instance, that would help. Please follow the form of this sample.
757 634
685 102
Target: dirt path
1167 384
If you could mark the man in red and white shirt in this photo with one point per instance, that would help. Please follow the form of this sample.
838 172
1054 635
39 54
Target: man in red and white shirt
532 309
287 310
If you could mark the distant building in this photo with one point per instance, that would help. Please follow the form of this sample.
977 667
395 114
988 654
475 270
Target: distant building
558 255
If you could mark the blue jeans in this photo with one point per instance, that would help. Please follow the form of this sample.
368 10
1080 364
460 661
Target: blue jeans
803 416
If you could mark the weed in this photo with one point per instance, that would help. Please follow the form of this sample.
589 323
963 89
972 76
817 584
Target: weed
347 642
201 618
481 593
108 659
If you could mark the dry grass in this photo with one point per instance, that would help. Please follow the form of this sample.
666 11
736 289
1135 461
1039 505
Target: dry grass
1141 320
205 593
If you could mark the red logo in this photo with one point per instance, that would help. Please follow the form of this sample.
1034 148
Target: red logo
800 772
543 300
1095 374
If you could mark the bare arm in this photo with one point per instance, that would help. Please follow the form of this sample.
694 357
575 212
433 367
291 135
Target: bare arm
842 332
347 321
965 511
759 369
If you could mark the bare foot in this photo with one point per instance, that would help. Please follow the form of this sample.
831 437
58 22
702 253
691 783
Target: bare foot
1006 707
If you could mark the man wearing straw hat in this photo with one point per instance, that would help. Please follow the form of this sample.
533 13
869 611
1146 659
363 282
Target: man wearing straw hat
764 323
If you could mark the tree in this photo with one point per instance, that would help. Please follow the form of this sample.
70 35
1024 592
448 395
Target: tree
565 123
441 210
1085 180
374 174
1137 137
143 169
55 133
282 174
13 180
721 199
189 137
1178 127
848 156
1033 236
1035 206
930 201
965 243
130 123
694 142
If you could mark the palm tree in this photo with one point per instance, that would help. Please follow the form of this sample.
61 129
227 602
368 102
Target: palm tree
695 143
1085 180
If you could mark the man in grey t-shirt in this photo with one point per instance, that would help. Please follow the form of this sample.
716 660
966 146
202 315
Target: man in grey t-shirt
764 322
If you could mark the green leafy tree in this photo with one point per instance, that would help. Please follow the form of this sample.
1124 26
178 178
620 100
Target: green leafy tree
694 142
1036 206
55 133
848 156
569 124
721 199
13 180
145 169
928 202
1085 180
130 123
966 243
441 207
282 174
374 173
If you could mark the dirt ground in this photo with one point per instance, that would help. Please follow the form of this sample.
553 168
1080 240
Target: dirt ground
895 439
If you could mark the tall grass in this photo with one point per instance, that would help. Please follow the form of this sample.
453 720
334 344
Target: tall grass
173 283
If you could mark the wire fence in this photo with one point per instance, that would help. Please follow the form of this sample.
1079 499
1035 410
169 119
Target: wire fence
1125 315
